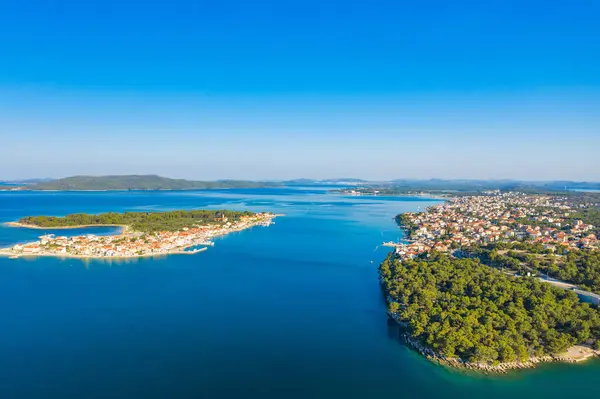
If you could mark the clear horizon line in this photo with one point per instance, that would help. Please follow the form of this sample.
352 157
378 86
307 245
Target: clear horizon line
316 179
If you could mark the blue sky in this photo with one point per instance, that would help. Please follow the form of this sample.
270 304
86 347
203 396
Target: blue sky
276 89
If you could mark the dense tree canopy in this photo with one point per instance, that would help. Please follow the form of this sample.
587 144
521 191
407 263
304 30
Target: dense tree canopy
462 308
580 267
139 221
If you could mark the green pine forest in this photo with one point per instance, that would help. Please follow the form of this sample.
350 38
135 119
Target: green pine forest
461 308
580 267
139 221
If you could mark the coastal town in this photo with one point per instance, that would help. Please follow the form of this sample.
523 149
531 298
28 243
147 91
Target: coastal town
132 243
498 281
497 217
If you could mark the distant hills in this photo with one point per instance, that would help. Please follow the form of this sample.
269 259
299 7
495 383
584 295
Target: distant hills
462 185
454 184
155 182
505 185
139 182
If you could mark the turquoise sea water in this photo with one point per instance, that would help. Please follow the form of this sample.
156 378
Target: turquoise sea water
290 310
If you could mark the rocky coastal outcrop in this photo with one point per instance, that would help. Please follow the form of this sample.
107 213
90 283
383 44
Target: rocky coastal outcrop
573 355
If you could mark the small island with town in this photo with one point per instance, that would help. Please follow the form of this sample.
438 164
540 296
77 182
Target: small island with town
498 280
142 233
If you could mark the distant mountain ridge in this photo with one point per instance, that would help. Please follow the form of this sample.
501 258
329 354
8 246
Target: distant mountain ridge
155 182
479 184
140 182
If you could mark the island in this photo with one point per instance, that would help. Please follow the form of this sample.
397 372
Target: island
498 281
131 182
142 233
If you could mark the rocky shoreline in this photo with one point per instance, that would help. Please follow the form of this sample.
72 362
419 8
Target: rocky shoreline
571 356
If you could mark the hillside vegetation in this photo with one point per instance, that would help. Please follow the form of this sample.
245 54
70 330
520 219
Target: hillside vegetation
139 221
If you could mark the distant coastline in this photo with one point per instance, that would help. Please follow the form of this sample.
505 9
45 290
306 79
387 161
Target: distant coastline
418 195
132 183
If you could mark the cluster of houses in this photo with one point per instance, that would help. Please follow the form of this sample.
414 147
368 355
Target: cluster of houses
131 243
493 217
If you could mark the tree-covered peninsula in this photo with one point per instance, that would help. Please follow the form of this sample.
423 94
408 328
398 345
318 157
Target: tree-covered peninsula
139 221
464 311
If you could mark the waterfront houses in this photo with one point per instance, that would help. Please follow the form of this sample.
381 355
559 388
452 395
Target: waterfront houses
133 243
497 217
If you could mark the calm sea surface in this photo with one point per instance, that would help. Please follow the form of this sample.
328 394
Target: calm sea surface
292 310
